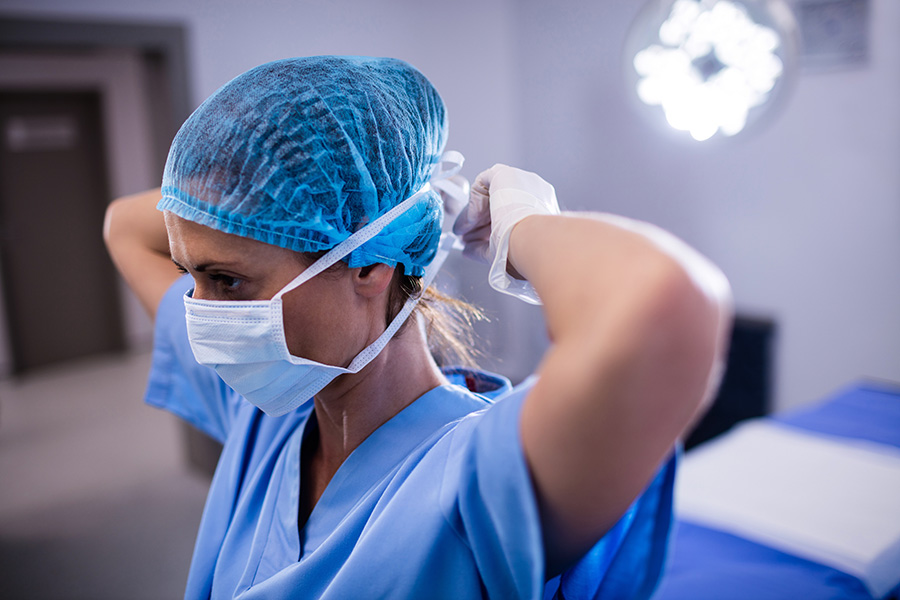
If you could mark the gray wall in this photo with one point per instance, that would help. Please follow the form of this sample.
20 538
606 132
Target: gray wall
804 216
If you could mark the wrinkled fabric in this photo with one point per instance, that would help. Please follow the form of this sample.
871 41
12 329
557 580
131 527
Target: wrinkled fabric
302 152
436 503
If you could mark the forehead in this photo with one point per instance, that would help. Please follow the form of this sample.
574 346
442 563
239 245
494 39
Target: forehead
193 243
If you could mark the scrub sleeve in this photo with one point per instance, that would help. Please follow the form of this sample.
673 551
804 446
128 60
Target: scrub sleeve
177 383
452 516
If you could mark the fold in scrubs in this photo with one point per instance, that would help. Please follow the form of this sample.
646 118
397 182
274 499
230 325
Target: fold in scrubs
436 503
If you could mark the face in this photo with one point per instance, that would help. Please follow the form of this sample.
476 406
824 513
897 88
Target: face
228 267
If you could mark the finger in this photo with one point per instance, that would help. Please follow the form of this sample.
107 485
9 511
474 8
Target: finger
479 252
482 183
475 214
482 232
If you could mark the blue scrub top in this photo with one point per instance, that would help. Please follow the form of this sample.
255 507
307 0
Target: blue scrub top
436 503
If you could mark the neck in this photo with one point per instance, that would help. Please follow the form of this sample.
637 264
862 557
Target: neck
353 406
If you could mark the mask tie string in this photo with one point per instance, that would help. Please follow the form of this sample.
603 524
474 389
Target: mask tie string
353 242
444 178
453 188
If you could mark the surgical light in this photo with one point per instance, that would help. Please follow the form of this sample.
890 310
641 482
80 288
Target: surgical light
711 66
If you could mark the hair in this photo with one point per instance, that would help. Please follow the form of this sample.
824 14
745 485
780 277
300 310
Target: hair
449 322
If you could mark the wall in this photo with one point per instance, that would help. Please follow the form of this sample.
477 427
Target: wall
803 216
465 50
455 48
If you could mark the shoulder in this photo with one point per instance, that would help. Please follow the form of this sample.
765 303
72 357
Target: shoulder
489 386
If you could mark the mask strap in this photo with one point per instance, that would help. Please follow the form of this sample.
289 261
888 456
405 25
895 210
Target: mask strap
447 243
449 165
353 242
444 178
454 188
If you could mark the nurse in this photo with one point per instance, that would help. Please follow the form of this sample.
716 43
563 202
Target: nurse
305 201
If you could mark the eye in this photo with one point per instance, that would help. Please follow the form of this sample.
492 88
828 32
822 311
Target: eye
226 283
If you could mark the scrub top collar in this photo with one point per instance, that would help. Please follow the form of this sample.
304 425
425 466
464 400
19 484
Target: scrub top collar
380 455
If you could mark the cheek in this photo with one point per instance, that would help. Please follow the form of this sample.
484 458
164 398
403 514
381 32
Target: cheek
321 323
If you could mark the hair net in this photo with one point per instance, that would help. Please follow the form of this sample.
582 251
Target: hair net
302 152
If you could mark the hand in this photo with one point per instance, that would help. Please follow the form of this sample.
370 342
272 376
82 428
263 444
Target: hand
135 235
500 198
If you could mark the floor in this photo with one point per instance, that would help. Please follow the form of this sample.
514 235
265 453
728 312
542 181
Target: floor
96 498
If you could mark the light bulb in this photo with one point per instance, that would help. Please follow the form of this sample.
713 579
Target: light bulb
711 67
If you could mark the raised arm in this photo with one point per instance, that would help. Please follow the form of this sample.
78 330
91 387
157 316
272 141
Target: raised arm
135 235
638 323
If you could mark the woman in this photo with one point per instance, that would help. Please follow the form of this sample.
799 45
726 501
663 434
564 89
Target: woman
296 199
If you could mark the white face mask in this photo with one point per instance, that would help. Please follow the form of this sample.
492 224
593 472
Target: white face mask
245 342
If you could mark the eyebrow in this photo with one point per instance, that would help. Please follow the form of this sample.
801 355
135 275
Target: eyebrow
202 267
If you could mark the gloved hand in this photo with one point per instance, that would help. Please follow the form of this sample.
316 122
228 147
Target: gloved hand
500 198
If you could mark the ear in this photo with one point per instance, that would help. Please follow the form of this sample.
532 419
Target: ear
372 280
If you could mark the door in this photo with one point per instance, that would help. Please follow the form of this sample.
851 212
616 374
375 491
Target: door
59 287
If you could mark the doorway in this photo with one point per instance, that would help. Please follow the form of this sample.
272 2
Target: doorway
104 99
61 297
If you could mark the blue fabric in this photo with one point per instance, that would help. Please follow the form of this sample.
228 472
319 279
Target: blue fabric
197 395
436 503
707 564
303 152
864 410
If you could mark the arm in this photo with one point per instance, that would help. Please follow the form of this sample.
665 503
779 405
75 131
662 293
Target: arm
638 322
639 332
135 235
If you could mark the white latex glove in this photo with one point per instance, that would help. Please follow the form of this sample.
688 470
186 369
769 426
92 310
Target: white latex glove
501 197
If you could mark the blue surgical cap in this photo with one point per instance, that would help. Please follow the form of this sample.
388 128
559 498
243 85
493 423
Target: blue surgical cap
303 152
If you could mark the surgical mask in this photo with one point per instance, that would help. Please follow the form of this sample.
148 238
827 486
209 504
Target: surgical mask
245 342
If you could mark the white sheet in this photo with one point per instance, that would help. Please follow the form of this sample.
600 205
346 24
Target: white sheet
831 500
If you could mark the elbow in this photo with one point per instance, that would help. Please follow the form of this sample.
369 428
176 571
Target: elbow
682 326
687 294
133 216
118 222
695 316
110 222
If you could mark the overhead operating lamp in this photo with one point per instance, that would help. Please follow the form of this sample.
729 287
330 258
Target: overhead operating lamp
711 67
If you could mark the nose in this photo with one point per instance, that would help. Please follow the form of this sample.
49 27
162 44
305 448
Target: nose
198 293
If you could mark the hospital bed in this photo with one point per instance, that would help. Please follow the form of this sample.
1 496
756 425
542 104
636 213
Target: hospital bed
801 505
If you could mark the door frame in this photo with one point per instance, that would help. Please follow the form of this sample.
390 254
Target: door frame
140 72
